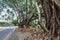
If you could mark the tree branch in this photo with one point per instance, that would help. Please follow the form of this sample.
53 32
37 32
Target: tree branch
29 17
57 2
39 18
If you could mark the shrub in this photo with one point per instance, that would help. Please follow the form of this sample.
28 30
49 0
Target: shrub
2 23
15 22
32 23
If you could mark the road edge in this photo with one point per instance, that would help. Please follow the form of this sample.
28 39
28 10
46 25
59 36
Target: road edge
9 35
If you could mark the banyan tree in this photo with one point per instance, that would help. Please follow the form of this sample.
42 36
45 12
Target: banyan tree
52 17
51 10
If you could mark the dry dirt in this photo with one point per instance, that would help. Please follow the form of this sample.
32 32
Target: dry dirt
30 34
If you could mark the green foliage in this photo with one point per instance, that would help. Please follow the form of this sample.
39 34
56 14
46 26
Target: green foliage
15 22
9 2
19 3
22 4
36 15
33 23
2 23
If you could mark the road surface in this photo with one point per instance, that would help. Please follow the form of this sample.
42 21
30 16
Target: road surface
5 32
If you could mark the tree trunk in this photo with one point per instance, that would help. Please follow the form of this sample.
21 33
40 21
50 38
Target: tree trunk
52 15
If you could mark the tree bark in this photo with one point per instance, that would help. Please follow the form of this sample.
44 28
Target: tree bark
40 18
52 16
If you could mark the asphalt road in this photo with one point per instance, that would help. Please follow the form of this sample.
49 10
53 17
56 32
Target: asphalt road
5 32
